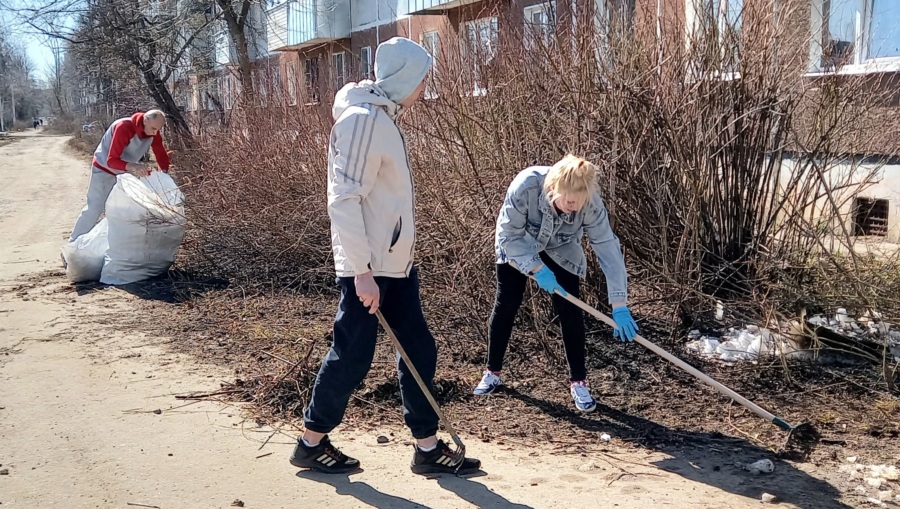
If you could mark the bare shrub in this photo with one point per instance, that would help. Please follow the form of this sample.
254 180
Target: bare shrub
724 167
64 124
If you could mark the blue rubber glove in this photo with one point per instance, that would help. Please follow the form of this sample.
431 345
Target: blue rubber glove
547 281
626 327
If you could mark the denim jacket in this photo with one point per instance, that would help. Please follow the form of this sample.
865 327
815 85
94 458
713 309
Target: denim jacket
529 223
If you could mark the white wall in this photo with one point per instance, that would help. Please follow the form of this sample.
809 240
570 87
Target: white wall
872 180
276 29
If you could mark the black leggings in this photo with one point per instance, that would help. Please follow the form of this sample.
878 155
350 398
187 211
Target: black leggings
510 291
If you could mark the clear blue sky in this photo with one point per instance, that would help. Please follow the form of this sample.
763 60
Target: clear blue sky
40 55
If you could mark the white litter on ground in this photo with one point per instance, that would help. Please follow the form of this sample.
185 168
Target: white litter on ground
745 344
587 467
752 342
872 480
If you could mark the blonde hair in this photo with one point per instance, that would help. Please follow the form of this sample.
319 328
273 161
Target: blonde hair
572 176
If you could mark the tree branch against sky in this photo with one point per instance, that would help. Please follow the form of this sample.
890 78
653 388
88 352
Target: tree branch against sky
154 40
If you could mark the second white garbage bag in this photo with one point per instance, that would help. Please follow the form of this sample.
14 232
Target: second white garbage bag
146 227
85 255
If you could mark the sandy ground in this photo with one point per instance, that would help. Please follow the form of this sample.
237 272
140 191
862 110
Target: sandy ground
78 427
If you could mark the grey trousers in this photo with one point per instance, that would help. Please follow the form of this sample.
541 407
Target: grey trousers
99 188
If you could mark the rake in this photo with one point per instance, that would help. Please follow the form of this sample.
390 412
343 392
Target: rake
460 453
804 435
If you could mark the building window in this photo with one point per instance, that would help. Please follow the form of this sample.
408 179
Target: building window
540 24
260 88
196 97
212 95
232 91
277 86
312 79
870 217
716 37
365 63
857 32
613 21
619 14
292 83
432 44
338 70
482 36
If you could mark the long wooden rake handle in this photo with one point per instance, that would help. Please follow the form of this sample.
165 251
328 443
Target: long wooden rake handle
461 448
703 377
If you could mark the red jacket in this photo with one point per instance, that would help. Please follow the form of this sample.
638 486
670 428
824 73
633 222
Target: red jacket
125 142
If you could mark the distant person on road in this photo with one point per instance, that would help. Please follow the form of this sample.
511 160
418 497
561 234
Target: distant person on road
371 202
120 151
36 123
540 229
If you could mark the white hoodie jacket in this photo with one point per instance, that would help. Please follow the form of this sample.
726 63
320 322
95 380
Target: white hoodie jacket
370 185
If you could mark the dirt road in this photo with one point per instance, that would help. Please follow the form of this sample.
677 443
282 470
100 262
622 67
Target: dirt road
88 418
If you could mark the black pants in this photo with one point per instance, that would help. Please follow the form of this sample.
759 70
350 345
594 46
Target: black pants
350 357
510 290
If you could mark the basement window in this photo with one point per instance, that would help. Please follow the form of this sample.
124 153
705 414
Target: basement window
870 217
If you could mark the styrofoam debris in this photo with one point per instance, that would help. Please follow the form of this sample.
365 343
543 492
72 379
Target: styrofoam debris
757 467
764 465
886 472
874 482
841 316
818 320
587 467
605 437
752 342
852 459
768 498
854 471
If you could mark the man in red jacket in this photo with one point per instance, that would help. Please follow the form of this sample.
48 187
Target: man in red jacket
120 151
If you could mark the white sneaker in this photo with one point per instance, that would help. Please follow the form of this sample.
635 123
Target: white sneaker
488 384
582 396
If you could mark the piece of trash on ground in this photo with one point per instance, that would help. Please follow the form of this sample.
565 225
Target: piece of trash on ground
768 498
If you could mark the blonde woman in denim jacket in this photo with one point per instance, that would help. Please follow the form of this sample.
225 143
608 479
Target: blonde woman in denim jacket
544 217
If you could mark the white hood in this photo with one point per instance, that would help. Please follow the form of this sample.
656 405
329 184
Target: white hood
364 92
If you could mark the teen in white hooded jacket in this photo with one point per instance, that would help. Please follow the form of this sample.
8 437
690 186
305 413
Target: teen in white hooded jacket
371 204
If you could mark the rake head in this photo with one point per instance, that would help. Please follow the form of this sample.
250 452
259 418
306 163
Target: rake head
460 454
803 436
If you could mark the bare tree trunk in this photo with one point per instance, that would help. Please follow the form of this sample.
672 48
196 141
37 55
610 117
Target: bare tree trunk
160 93
237 25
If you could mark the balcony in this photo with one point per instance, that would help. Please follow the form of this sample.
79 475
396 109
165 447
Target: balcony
296 24
426 6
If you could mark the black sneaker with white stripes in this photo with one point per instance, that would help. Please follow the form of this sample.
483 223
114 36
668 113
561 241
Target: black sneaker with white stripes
324 458
441 461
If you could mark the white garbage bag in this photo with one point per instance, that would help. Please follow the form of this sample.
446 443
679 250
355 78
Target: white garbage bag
85 255
146 226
